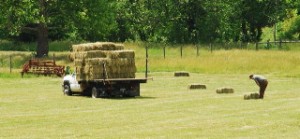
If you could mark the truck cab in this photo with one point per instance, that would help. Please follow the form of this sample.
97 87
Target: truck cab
71 85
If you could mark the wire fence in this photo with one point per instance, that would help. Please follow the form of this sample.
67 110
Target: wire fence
10 60
197 48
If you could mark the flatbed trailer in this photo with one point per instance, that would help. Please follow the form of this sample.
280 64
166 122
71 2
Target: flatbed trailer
125 87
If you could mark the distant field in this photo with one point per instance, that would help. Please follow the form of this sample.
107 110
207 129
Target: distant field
275 62
35 107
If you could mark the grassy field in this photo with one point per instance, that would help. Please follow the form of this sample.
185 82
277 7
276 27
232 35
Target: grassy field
36 108
242 61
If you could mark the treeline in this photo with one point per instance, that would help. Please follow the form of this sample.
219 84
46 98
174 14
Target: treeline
167 21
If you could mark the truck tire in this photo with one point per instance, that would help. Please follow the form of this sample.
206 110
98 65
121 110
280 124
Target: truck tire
95 93
67 90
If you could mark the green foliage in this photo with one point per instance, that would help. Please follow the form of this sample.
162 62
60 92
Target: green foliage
31 47
166 21
291 28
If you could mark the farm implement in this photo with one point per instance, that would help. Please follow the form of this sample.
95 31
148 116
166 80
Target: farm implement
42 67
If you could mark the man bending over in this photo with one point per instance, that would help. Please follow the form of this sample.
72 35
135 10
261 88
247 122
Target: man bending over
262 82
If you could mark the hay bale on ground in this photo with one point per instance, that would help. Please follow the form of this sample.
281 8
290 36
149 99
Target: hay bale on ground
247 97
225 90
251 96
181 74
197 86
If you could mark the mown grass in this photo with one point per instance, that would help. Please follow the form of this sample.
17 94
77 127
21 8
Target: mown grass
36 108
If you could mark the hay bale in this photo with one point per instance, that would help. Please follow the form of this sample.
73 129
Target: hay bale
89 59
72 57
254 96
219 91
197 86
119 46
116 68
97 62
97 46
181 74
80 55
126 54
225 90
96 54
79 62
251 96
247 97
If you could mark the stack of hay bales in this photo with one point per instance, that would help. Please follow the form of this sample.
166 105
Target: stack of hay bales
90 57
225 90
251 96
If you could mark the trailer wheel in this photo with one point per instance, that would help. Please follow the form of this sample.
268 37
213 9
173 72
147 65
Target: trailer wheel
67 90
95 93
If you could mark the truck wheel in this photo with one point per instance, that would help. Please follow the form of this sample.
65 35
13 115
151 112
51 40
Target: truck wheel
67 90
95 93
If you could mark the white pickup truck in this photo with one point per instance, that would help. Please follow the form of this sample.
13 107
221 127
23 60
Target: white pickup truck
125 87
71 85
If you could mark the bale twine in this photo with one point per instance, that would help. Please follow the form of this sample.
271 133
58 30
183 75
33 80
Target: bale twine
181 74
225 90
197 86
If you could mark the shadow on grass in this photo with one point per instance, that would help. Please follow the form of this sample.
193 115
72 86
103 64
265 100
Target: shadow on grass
125 98
114 98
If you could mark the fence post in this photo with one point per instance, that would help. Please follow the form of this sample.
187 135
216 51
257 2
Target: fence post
164 52
268 44
146 73
181 51
10 64
54 58
241 45
197 50
256 46
280 44
211 47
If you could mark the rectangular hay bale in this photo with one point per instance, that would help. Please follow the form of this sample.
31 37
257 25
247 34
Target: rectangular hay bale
197 86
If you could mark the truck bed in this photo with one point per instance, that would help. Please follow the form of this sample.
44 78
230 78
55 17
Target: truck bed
137 80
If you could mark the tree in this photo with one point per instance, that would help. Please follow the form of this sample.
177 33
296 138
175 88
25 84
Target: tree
92 18
257 14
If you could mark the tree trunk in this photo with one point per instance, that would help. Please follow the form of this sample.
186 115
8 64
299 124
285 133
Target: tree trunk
42 42
42 31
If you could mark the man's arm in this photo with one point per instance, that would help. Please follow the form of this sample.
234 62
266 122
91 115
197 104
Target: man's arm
257 82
